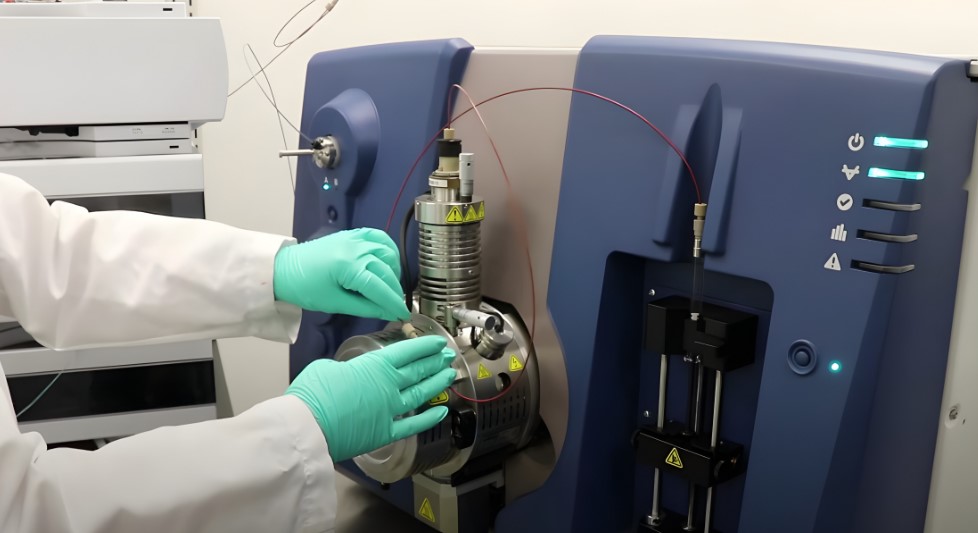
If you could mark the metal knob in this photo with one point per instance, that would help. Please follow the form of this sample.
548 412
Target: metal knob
325 152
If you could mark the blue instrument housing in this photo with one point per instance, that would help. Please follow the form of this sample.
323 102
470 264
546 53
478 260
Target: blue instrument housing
840 440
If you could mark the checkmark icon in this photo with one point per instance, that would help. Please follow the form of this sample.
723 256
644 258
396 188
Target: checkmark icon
844 202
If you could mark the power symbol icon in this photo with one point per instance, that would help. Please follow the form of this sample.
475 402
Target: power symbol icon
856 142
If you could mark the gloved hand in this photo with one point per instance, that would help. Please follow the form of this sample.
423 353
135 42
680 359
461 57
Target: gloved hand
354 272
355 401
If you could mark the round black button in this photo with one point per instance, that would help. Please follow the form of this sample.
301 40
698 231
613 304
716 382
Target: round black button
802 357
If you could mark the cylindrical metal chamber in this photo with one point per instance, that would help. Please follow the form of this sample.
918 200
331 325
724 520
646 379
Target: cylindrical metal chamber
449 255
472 429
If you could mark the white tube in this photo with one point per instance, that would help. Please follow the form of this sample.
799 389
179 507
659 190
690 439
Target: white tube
466 175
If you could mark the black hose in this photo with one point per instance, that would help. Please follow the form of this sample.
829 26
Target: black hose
405 266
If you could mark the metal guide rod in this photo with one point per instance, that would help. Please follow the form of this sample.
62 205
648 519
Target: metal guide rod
663 381
709 510
717 393
660 424
697 421
714 439
698 400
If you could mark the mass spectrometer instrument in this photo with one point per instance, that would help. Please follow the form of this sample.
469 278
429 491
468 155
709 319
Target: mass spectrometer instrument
771 363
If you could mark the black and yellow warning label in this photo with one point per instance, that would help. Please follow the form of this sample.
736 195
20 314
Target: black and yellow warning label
515 365
426 511
440 399
673 459
483 372
454 216
466 213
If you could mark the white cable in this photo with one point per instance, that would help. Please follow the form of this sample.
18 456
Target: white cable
40 395
44 391
271 99
329 7
285 47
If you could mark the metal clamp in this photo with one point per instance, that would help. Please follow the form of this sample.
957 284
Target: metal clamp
325 152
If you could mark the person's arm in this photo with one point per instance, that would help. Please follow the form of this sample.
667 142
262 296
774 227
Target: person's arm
75 279
267 469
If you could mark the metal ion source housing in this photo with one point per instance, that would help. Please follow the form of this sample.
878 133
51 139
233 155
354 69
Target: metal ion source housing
495 352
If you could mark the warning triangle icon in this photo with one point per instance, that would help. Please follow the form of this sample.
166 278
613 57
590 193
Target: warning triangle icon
426 511
441 398
833 263
454 216
673 459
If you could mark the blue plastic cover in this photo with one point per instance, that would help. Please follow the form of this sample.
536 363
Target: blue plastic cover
768 129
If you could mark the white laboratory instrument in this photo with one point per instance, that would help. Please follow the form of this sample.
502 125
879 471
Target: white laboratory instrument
101 105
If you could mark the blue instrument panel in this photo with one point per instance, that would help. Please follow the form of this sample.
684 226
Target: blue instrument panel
834 180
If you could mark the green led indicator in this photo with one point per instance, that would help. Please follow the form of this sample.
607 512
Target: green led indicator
835 367
876 172
893 142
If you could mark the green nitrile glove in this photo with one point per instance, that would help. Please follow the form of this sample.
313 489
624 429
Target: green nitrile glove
356 402
354 272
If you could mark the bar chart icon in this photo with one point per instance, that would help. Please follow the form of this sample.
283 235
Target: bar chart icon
839 233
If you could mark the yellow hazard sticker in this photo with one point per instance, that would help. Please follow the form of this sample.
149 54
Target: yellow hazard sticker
440 399
673 459
454 216
515 365
470 214
426 511
482 211
483 372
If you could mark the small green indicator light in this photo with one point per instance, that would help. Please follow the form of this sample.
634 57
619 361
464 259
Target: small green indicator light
835 367
893 142
326 185
875 172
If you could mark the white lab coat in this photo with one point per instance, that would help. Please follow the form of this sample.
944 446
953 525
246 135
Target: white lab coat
76 279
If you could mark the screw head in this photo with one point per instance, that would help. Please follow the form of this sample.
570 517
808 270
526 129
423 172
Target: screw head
651 292
647 414
953 414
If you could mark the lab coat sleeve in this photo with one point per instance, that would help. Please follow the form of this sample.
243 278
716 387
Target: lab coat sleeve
265 470
75 279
